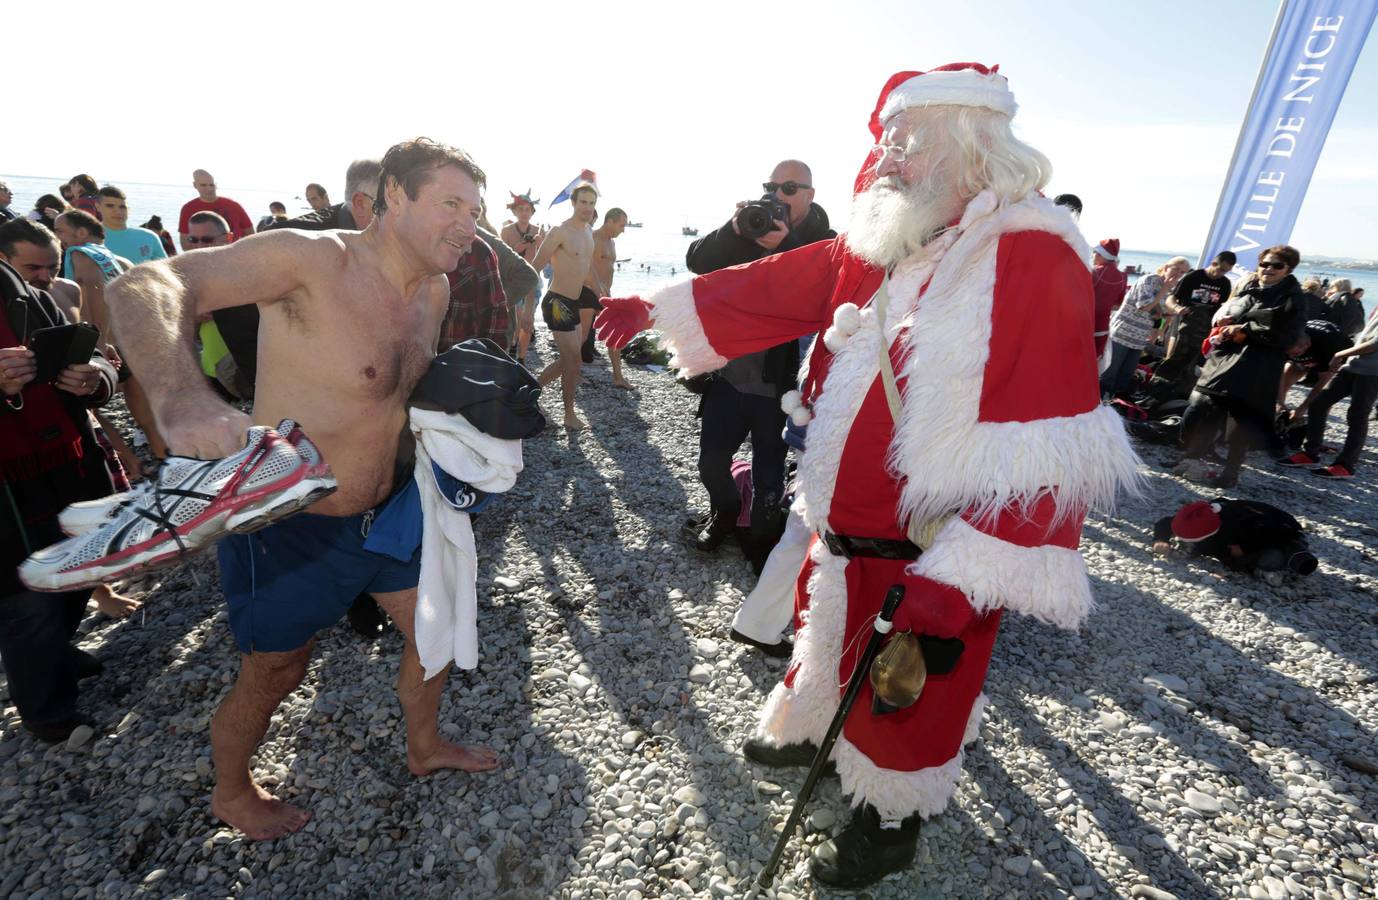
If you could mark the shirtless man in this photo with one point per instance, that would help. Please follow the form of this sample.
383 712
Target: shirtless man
364 308
599 282
524 238
569 250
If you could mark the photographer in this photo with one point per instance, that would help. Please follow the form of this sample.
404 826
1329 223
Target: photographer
743 398
48 459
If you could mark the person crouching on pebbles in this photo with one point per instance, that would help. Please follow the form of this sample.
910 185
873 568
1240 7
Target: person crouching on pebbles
364 310
956 438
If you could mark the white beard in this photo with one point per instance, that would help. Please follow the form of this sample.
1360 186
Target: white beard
890 222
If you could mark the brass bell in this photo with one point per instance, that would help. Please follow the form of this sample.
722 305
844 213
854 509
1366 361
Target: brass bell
898 674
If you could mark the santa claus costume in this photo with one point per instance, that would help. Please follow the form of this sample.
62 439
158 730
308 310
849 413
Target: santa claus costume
998 447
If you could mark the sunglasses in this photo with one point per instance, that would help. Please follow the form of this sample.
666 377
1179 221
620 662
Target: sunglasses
788 188
193 239
1272 264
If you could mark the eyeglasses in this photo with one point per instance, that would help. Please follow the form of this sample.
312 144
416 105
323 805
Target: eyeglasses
193 239
892 152
1272 264
788 188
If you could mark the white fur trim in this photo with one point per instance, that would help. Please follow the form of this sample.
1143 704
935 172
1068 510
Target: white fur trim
1048 583
949 459
965 87
674 313
897 794
801 417
791 401
847 318
853 370
835 339
973 729
803 712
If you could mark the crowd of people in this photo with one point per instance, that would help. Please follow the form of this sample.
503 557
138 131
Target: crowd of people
797 339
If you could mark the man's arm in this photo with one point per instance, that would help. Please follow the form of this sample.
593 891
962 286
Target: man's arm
553 241
517 277
91 282
240 223
155 309
720 249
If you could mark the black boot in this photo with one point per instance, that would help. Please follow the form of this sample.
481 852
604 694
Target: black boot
719 528
785 756
864 852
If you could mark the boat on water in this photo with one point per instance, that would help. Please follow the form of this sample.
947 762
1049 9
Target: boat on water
633 224
689 232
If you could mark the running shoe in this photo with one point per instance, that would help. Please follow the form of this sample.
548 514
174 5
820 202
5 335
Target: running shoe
88 515
192 504
1301 459
1334 470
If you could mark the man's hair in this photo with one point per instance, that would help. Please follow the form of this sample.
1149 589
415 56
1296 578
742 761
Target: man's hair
277 205
206 217
1313 285
80 218
85 182
1358 292
25 231
1227 257
1341 285
50 201
982 145
154 223
1071 201
1284 252
317 188
362 177
583 186
4 186
614 214
411 164
111 191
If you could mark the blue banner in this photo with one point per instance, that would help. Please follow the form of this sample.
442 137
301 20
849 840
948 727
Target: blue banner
1305 71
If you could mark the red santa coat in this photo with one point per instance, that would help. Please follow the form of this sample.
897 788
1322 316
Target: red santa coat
1002 445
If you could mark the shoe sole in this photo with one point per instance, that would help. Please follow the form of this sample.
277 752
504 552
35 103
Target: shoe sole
139 560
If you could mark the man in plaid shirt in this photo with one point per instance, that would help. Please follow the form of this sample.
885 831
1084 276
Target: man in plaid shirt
478 306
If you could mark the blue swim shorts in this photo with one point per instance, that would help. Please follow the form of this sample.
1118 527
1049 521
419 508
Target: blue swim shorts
286 582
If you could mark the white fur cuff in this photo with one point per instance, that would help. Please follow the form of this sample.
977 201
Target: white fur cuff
676 316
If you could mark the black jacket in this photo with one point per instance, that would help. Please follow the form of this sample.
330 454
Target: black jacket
725 247
1345 311
1274 318
24 503
336 216
1252 525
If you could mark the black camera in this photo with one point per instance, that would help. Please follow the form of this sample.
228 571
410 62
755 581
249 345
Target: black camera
758 217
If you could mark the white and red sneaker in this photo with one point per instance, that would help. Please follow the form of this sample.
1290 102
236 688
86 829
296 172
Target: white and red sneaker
191 504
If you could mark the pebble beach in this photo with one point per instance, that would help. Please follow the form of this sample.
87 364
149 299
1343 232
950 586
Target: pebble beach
1206 734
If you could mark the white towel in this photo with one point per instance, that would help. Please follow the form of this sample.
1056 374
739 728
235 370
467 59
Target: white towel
446 598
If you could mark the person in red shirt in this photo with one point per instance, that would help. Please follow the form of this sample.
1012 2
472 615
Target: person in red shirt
208 201
1110 285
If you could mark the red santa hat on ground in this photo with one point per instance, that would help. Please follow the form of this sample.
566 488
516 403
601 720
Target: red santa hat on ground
1108 249
955 84
1196 521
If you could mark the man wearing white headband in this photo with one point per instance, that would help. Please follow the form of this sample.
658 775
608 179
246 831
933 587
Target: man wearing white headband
956 437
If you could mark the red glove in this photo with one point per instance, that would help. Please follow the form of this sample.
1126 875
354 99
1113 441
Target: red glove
622 319
932 608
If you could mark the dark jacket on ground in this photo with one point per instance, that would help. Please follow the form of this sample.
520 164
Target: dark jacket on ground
1249 373
725 247
40 498
1250 524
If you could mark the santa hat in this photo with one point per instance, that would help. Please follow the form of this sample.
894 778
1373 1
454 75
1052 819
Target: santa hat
1196 521
1108 249
955 84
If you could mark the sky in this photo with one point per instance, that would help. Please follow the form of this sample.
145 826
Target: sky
680 109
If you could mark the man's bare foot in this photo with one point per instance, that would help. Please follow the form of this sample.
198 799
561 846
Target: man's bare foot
114 605
452 756
573 422
622 383
258 814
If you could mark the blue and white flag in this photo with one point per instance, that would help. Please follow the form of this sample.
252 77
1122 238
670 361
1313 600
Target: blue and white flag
585 175
1305 71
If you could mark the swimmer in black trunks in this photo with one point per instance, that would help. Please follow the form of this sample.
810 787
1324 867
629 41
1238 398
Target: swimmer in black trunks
568 249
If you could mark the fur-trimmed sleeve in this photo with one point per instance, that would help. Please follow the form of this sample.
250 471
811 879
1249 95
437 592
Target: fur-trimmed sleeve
742 309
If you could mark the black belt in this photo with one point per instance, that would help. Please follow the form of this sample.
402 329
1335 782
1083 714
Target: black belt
879 548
